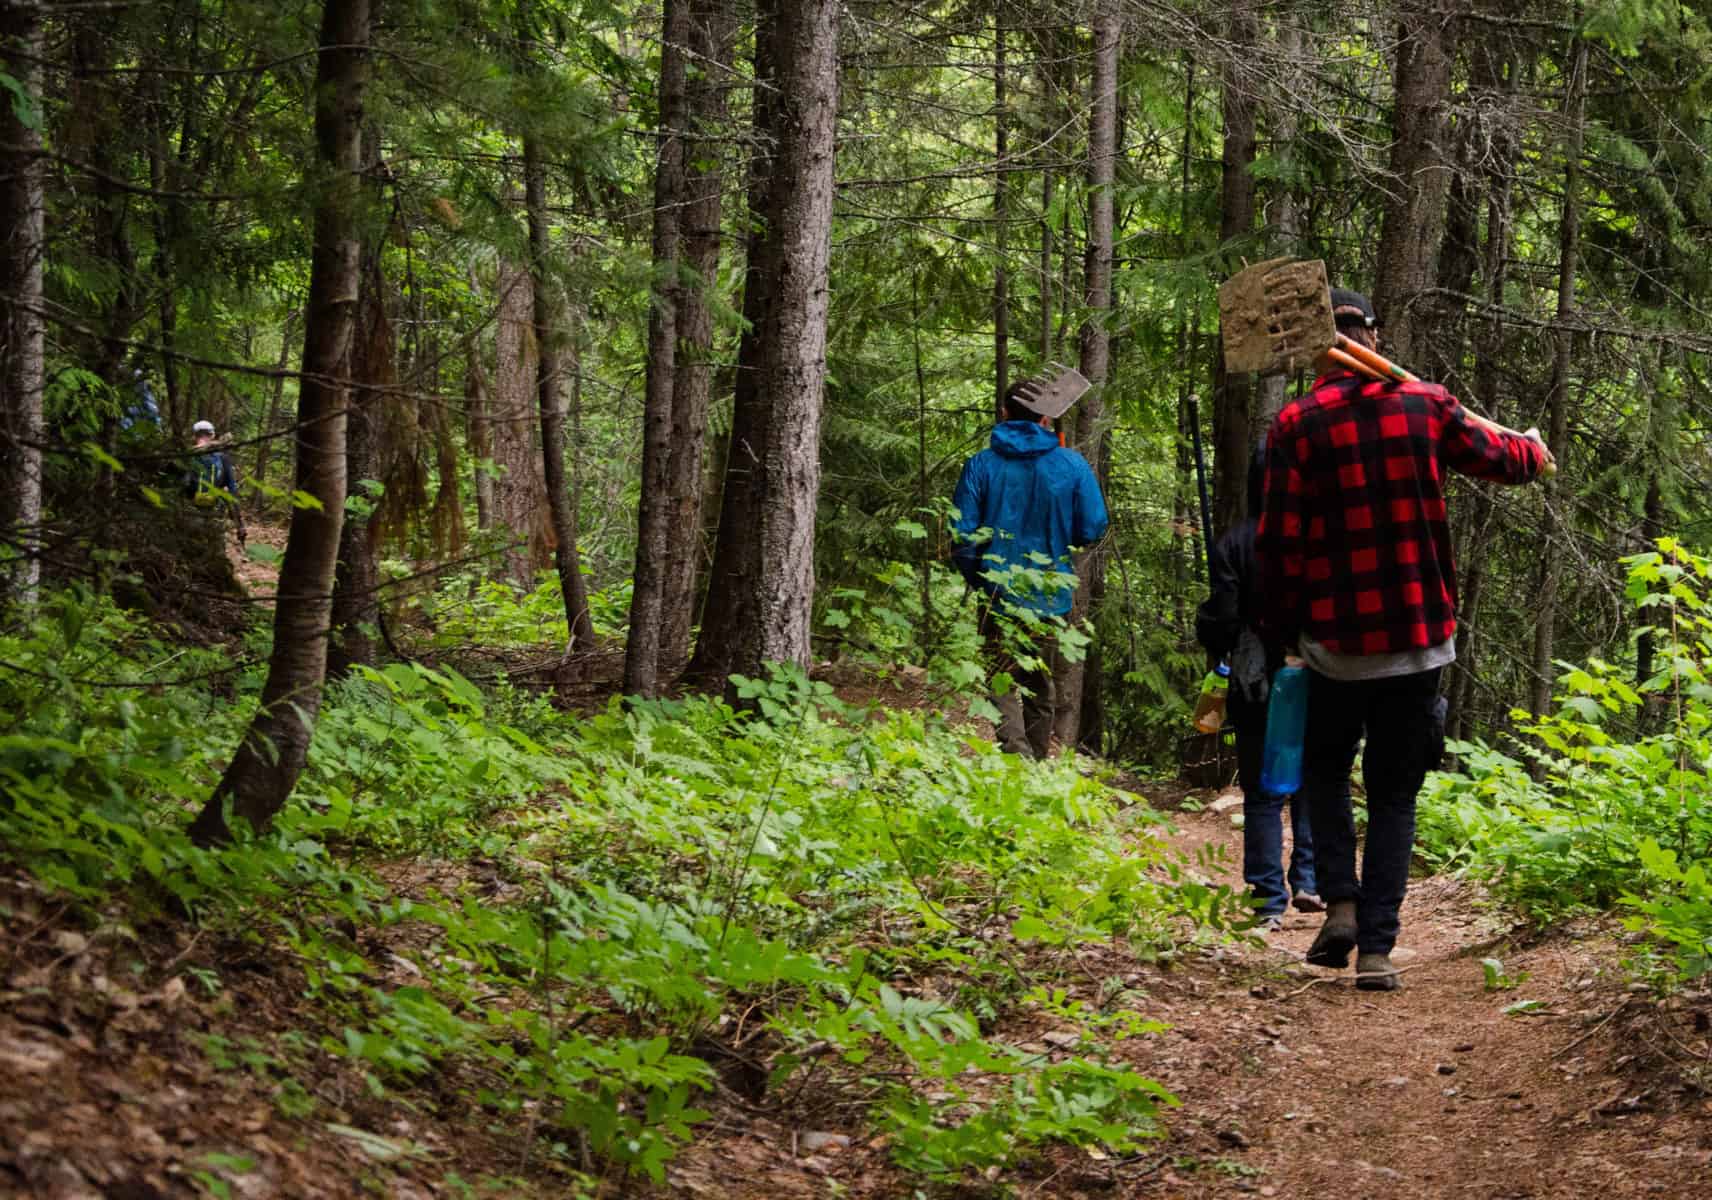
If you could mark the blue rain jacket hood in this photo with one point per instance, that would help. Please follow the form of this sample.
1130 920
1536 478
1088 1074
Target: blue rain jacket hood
1025 496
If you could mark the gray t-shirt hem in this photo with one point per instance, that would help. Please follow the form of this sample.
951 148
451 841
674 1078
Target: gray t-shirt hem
1349 668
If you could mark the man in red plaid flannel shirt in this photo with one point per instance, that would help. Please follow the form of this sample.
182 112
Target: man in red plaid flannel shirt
1356 568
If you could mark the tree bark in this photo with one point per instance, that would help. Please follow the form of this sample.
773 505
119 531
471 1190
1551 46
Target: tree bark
519 493
1287 237
1046 250
647 595
22 334
711 33
793 343
1095 334
274 749
1489 353
1001 228
725 608
1420 167
1557 408
549 338
1234 394
356 578
478 430
1182 505
274 426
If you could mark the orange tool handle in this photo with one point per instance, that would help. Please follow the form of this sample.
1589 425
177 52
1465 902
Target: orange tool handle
1374 365
1382 367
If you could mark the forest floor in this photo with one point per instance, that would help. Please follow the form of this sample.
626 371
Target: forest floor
138 1086
1293 1083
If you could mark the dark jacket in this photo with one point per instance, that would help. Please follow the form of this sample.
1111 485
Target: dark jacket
1035 500
1227 622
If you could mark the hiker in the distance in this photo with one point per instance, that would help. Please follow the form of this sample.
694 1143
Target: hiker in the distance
1355 558
1227 625
211 482
1022 504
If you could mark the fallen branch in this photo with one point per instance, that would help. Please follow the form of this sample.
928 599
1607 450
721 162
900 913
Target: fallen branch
1608 1019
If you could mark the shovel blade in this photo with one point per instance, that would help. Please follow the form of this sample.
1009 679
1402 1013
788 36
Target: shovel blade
1276 316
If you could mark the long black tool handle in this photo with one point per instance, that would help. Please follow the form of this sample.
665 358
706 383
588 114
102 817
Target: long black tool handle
1201 485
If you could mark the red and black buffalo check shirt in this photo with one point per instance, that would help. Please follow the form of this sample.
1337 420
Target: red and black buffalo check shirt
1353 545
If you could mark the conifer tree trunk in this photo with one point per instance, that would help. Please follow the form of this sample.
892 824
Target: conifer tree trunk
1001 268
478 429
1419 173
1557 413
273 426
356 578
1182 505
519 494
274 749
711 33
725 608
1095 334
1500 72
1046 190
1234 394
22 335
549 337
1286 204
793 343
647 595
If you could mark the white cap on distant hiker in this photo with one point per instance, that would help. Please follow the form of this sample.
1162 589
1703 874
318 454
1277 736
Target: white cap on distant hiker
203 427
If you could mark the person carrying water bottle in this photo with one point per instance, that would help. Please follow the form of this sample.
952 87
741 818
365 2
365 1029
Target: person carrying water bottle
1226 625
1354 550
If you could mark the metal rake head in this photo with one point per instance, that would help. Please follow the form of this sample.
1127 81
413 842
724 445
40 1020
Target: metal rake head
1051 395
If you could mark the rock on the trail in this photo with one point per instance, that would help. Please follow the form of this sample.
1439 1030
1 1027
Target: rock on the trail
1228 799
1446 1068
1397 1081
814 1143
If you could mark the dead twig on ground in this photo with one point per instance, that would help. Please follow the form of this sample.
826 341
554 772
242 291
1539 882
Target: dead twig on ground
1611 1016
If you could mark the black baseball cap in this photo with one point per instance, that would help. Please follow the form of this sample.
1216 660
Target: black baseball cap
1352 308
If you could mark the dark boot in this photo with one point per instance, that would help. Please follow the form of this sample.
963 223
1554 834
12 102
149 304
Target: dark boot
1336 937
1374 973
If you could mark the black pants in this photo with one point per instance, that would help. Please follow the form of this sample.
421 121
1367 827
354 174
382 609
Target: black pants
1398 717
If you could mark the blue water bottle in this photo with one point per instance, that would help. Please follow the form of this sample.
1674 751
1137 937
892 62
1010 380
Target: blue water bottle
1286 723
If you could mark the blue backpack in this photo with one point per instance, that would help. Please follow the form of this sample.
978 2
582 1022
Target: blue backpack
208 481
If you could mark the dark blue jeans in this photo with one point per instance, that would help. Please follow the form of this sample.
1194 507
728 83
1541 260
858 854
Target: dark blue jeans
1397 716
1263 823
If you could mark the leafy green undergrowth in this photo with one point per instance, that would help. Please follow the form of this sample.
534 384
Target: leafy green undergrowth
1619 817
593 922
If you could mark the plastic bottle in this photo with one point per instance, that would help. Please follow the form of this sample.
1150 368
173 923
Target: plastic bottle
1286 723
1210 708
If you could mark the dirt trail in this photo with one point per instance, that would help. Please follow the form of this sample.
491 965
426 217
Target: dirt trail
1295 1084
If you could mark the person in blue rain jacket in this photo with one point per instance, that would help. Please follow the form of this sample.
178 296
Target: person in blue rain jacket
1022 505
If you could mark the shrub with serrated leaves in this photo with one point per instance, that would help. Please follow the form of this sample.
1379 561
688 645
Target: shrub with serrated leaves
875 887
1617 817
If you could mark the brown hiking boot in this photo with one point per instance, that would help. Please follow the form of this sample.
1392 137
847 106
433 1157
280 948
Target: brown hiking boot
1336 937
1374 973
